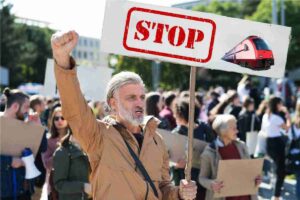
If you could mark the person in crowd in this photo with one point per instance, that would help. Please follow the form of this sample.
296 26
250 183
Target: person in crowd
99 109
113 145
273 123
228 105
58 129
37 104
262 108
167 112
225 147
71 170
200 101
12 175
294 135
202 131
154 106
2 102
243 88
248 121
214 100
285 88
234 107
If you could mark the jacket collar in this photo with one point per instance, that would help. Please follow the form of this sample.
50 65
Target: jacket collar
150 122
149 126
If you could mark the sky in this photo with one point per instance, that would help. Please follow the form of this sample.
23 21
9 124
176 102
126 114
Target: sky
84 16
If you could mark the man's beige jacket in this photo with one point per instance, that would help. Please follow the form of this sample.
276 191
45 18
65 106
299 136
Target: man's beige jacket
114 174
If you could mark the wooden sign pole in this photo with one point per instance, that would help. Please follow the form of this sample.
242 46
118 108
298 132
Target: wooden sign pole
191 123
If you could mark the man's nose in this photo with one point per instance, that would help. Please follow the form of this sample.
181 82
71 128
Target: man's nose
140 102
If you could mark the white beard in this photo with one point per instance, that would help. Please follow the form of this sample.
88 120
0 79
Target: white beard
126 115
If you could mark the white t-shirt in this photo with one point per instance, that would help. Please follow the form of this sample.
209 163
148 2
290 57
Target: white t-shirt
242 92
271 125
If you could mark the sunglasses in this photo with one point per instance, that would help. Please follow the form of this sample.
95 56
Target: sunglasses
58 118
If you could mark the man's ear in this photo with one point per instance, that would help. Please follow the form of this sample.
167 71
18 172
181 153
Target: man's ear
113 103
15 107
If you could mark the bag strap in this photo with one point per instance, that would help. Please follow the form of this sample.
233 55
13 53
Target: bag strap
139 164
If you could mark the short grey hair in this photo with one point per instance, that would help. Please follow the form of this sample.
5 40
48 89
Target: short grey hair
120 79
220 123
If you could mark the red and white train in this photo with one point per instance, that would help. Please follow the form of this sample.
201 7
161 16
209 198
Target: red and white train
253 52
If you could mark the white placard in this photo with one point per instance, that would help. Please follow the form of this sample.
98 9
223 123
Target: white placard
195 38
93 81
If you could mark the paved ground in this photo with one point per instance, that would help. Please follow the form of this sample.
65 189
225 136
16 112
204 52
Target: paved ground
266 191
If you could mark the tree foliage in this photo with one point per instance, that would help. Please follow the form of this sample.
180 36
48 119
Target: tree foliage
24 49
292 19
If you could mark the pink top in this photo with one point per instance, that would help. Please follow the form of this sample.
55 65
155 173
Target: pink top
47 157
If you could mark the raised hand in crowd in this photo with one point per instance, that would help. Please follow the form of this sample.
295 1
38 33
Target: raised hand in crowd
62 44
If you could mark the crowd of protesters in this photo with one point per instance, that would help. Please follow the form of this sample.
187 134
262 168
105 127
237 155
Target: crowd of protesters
80 156
222 119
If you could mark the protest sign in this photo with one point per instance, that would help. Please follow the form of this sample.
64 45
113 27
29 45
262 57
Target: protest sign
177 146
17 135
93 81
195 38
238 177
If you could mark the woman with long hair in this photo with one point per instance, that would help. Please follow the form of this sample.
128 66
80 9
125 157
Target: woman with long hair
274 124
154 105
58 129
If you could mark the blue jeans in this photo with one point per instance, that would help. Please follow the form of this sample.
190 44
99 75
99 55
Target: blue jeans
298 185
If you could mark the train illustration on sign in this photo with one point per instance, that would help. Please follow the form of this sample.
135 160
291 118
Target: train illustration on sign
253 52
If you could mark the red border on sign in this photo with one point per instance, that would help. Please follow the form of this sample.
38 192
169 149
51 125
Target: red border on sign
163 53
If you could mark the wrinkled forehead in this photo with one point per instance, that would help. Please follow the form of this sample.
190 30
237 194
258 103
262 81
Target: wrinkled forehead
132 89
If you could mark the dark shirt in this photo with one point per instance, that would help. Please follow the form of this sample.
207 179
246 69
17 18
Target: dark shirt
140 138
244 124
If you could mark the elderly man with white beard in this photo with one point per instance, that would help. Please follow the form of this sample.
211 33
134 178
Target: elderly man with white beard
128 157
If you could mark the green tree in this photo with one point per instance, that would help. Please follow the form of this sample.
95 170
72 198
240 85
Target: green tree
292 12
12 38
24 49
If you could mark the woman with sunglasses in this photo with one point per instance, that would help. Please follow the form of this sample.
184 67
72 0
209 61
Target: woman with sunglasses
58 129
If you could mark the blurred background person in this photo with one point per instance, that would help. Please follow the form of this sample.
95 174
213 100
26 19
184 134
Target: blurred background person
167 113
99 109
37 104
58 129
213 101
294 150
247 120
202 131
13 183
225 147
275 121
71 170
154 105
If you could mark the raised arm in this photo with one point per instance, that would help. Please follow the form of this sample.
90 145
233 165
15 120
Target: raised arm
75 109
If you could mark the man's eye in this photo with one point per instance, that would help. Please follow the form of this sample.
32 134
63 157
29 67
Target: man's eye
131 98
